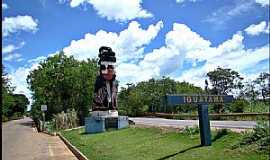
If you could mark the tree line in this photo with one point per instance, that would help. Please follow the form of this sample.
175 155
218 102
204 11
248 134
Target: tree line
64 83
13 105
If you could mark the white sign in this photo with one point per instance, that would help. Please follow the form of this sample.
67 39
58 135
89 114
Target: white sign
43 107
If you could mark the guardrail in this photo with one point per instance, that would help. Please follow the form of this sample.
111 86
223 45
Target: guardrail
223 116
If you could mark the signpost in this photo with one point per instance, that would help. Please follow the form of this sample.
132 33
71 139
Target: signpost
43 109
202 101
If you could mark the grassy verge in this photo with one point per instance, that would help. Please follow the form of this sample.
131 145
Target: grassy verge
152 143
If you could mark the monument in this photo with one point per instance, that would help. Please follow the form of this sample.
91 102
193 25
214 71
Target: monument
104 113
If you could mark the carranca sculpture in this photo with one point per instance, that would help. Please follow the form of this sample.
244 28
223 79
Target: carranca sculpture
106 86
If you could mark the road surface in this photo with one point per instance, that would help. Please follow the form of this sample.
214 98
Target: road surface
161 122
21 142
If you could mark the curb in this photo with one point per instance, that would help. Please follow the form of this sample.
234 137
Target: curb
72 148
74 128
51 134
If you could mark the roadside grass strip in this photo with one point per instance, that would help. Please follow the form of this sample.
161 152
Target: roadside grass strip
136 143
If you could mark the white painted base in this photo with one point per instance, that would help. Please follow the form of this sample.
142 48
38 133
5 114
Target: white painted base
109 113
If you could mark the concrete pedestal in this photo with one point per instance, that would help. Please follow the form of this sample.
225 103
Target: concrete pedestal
97 124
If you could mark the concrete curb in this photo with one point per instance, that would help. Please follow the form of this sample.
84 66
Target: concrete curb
51 134
74 128
72 148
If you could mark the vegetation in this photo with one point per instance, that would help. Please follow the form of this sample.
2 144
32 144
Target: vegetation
259 138
191 130
13 105
148 96
238 106
66 120
152 143
224 80
62 83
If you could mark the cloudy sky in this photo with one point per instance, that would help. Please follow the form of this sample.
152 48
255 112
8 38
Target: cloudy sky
181 39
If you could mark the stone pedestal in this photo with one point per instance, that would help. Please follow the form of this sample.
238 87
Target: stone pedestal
97 124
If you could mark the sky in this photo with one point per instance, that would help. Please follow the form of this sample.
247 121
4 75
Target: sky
180 39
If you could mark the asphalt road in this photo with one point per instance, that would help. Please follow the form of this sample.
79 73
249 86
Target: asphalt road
21 142
161 122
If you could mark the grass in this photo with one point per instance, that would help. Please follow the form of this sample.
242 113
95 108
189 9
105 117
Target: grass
153 144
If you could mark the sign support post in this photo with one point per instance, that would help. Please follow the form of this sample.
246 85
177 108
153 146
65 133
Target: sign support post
43 109
202 101
204 124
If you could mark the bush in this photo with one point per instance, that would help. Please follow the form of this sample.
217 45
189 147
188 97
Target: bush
191 130
66 120
260 137
16 115
258 107
238 106
4 118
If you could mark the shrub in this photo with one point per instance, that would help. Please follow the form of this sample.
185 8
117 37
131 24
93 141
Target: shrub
191 130
4 118
257 107
16 115
238 106
260 137
66 120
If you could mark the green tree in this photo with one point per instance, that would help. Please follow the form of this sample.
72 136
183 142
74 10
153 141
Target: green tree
224 80
148 96
7 98
63 83
250 91
20 103
264 85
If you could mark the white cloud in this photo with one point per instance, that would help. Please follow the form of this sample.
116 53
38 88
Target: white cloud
229 54
182 1
256 29
181 45
128 44
10 48
118 10
19 23
232 10
4 6
263 3
13 56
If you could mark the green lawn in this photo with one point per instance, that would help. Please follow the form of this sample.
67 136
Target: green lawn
152 143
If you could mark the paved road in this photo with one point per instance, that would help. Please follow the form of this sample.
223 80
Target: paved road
21 142
182 123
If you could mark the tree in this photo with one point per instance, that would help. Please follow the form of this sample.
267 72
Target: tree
264 85
7 98
249 91
20 103
148 96
63 83
11 103
224 80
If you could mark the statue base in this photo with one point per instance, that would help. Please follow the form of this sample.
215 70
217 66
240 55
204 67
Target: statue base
100 121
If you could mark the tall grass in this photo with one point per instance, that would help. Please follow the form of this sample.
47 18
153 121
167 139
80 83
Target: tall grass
66 120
